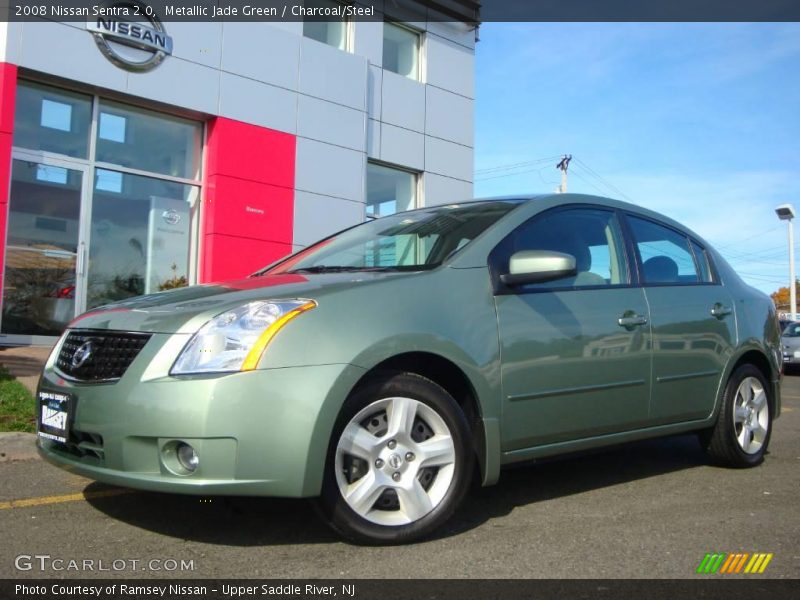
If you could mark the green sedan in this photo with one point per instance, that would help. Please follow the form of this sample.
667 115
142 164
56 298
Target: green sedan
385 367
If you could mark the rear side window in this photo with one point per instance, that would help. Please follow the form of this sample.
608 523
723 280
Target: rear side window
703 266
666 257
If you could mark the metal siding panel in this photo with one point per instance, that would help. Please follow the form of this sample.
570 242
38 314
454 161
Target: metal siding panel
402 147
316 216
331 123
403 102
179 82
450 66
449 116
257 103
69 52
265 54
449 159
445 190
330 170
331 74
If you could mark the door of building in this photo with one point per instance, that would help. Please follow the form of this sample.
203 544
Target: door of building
45 253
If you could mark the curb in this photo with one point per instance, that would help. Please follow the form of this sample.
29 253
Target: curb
17 446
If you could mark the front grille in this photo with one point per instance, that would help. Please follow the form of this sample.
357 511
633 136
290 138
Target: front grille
96 356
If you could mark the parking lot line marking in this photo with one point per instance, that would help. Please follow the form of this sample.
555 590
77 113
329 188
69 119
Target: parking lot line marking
45 500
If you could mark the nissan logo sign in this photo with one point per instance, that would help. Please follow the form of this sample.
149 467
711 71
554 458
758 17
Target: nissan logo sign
130 35
82 355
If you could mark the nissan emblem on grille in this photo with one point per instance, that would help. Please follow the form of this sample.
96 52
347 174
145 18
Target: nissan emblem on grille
82 355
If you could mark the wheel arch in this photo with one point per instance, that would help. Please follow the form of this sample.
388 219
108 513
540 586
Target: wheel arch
457 383
756 356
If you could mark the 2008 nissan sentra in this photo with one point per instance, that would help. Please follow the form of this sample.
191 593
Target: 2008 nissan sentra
384 367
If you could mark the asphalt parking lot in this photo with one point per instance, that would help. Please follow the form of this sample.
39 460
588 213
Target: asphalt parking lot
650 509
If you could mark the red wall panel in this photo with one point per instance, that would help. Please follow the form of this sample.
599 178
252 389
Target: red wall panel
234 257
248 208
8 95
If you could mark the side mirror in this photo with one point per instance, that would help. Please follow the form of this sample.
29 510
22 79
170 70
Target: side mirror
536 266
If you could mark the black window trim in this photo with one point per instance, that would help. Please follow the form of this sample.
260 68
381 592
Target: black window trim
497 268
637 257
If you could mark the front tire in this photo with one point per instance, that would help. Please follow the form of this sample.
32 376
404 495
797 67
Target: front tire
744 425
399 461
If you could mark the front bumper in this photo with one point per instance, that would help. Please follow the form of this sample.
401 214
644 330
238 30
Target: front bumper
260 433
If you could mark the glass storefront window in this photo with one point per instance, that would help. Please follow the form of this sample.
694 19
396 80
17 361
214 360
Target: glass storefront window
332 32
146 141
140 238
389 191
401 50
94 223
41 249
52 120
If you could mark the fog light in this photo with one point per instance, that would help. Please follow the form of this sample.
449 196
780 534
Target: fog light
187 457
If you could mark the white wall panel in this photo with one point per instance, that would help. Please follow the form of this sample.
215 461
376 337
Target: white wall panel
330 74
402 147
444 190
179 82
403 102
264 53
332 123
330 170
258 103
449 159
199 41
70 53
373 138
449 116
316 217
450 66
368 41
374 91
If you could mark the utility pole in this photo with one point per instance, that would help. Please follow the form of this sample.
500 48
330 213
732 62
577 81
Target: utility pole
786 213
562 166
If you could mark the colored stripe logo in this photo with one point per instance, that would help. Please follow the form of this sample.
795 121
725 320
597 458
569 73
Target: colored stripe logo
735 562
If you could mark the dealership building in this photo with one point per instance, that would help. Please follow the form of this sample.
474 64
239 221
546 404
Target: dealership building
139 157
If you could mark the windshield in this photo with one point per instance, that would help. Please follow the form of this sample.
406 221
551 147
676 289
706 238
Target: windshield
410 241
791 330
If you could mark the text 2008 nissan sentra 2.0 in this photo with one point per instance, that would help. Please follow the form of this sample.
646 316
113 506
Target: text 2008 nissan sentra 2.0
384 367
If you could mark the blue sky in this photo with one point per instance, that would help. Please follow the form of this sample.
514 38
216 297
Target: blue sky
699 121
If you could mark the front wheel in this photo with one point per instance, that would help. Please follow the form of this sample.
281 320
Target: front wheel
741 434
399 461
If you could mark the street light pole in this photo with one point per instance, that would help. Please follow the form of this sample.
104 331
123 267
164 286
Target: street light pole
786 213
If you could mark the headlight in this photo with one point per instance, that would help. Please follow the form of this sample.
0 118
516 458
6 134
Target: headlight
236 339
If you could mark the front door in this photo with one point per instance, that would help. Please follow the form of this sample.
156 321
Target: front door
575 361
45 252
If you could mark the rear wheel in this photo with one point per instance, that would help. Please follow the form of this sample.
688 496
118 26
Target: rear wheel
399 462
741 434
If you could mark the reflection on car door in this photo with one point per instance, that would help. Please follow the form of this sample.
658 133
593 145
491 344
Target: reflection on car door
570 367
692 321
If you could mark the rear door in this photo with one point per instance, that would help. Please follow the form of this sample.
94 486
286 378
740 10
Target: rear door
693 329
570 368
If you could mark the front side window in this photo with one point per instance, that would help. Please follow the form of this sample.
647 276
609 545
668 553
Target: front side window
332 32
401 50
665 256
417 240
590 235
389 191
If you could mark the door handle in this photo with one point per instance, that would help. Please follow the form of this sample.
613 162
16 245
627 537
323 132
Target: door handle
631 321
720 311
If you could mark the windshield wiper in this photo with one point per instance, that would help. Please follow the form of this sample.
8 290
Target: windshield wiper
338 269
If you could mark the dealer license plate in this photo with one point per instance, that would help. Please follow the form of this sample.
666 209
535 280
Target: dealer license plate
55 415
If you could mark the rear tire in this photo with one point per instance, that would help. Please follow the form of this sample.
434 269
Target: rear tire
742 432
399 461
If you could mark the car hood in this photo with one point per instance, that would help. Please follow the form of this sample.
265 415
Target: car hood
792 343
185 310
